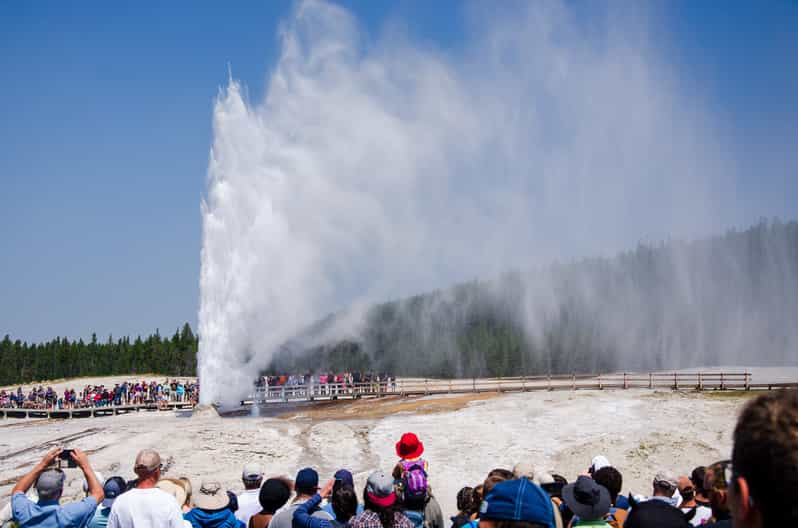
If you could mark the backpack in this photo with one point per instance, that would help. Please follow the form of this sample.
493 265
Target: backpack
616 517
414 483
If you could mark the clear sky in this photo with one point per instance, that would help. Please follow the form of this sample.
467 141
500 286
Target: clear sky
105 127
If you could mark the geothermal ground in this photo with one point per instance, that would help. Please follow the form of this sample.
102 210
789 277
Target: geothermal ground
465 436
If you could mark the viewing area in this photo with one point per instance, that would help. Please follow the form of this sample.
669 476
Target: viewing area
90 412
407 387
698 381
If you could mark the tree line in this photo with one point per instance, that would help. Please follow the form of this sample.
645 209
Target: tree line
730 299
724 300
22 362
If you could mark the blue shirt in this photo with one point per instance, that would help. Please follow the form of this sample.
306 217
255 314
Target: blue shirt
49 514
100 519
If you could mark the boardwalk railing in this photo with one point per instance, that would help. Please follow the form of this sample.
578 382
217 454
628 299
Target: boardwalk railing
421 387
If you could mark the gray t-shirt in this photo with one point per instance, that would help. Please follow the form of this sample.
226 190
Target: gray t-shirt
285 517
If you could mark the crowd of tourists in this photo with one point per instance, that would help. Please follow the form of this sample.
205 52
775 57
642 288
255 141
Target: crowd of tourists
325 384
756 488
125 393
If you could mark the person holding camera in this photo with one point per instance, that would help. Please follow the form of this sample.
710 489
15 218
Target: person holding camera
49 483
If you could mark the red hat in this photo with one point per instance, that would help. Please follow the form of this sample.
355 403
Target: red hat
409 446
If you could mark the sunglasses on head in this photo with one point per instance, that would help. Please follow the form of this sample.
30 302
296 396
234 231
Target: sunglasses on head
719 476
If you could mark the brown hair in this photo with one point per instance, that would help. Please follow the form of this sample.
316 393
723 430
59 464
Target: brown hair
766 453
494 477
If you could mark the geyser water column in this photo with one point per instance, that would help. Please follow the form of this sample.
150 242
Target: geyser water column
375 170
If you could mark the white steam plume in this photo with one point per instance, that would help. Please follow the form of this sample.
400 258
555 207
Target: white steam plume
376 170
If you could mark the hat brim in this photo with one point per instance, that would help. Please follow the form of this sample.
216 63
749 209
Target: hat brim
382 502
107 503
211 502
409 452
587 512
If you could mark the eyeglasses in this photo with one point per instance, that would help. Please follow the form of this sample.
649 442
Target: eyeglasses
719 476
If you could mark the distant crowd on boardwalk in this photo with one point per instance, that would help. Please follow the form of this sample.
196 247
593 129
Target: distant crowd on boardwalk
126 393
756 488
326 383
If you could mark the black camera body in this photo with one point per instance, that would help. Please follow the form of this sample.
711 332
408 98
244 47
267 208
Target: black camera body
66 454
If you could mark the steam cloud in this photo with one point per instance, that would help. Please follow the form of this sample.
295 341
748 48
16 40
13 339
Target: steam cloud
375 170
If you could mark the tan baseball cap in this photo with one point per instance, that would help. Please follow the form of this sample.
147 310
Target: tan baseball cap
147 461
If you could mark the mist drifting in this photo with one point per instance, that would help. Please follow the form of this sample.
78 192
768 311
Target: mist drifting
374 170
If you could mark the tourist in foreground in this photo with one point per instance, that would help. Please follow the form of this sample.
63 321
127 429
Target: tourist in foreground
49 483
146 506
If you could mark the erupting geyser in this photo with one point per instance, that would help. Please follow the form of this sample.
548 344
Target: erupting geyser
378 169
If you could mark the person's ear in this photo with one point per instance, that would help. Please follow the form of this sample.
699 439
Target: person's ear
745 504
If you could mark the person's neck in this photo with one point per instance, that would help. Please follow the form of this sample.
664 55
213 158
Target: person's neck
147 483
303 498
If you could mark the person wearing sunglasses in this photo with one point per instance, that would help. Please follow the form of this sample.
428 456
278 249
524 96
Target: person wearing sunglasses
759 486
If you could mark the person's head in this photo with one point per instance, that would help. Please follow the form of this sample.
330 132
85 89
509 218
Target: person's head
252 476
465 499
716 486
763 475
274 493
554 488
587 499
211 496
343 477
479 494
597 463
524 470
610 478
686 490
174 487
186 486
656 513
344 502
697 478
307 482
113 488
664 484
494 477
50 485
379 493
148 465
517 503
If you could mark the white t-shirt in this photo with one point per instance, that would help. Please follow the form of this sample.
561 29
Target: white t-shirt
248 505
702 515
145 508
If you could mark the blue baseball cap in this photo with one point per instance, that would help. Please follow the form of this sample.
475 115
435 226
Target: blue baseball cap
306 480
518 500
345 476
113 487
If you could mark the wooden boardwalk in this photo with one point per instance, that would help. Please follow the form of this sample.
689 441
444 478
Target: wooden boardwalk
698 381
408 387
91 412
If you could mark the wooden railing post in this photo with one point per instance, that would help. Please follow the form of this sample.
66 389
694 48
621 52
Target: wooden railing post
650 380
675 382
625 383
600 385
426 386
450 386
573 381
747 381
700 383
474 384
548 380
721 381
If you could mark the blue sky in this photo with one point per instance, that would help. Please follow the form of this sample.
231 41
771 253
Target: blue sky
106 124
